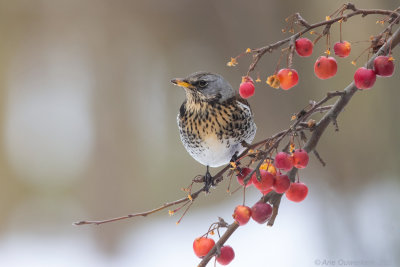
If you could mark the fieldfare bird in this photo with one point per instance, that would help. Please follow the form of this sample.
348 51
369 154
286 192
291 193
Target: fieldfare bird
214 122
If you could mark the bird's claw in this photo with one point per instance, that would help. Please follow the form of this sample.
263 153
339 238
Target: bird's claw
208 181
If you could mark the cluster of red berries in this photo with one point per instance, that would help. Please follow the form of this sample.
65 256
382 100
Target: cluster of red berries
203 245
365 78
271 177
325 67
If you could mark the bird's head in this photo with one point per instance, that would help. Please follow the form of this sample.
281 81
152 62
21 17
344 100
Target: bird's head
205 86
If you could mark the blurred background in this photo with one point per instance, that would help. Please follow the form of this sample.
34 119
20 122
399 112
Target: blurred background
88 131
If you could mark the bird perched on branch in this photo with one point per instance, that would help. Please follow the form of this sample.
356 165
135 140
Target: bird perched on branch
214 122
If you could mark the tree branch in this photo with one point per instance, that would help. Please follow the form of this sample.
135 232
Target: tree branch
258 53
321 126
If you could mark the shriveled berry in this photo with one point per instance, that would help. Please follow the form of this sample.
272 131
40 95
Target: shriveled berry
297 192
268 166
261 212
241 214
342 49
226 256
283 161
287 78
243 174
247 79
325 67
282 183
364 78
300 158
266 181
202 246
304 47
384 66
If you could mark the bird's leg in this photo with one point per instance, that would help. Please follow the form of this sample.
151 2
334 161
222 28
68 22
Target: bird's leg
234 157
245 144
208 181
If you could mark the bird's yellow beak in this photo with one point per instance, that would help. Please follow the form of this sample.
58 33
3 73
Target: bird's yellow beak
182 83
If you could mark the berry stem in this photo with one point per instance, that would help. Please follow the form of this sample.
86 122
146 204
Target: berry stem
279 61
244 195
258 53
230 182
184 213
291 52
328 44
362 53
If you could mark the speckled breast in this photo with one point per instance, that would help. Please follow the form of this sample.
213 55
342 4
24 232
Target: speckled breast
213 132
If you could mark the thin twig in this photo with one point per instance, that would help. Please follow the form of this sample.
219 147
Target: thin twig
192 197
258 53
338 107
316 154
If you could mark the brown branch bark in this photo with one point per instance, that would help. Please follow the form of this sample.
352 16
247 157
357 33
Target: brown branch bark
320 128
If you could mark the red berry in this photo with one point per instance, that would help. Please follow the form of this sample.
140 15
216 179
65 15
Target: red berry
384 66
364 78
300 158
304 47
261 212
243 174
282 183
246 89
287 78
325 67
226 256
283 161
342 49
297 192
266 182
202 246
241 214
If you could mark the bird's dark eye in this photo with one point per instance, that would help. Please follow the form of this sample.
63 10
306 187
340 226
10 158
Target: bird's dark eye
202 84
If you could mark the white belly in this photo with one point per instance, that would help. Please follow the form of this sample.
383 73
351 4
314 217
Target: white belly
215 153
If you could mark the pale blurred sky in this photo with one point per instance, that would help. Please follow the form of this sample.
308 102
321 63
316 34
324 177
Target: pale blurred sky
88 131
